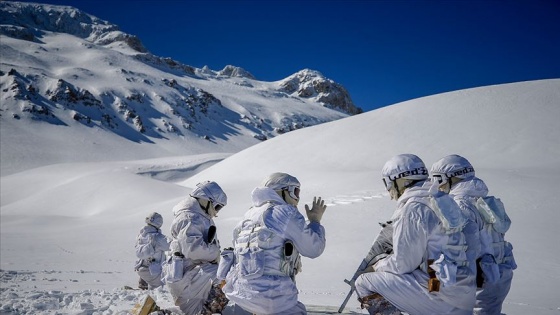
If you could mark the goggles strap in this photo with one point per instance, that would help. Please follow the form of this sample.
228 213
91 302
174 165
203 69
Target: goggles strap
207 205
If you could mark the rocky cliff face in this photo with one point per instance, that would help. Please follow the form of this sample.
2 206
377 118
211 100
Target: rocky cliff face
29 20
311 84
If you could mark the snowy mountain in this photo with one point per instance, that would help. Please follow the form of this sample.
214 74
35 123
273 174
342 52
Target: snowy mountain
67 230
64 69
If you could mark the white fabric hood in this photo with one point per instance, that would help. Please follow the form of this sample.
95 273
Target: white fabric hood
261 195
474 187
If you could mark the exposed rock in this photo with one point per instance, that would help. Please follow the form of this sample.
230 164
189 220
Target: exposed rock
66 93
312 84
17 32
61 19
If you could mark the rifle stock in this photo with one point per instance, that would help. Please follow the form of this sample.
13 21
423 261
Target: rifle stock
381 248
361 268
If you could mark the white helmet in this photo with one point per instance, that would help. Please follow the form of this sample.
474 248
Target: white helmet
212 192
407 169
451 166
283 182
154 219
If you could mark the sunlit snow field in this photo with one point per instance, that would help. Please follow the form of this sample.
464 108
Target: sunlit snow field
68 229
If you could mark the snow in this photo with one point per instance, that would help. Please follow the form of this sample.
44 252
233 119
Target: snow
68 229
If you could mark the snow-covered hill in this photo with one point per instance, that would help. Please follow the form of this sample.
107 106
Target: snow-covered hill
85 84
67 230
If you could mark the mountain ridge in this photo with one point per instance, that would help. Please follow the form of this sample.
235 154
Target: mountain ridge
66 68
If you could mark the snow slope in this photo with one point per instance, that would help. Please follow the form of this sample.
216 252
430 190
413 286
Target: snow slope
68 229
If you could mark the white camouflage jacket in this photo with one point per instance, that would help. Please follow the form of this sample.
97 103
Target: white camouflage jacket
151 246
261 281
419 236
465 193
189 230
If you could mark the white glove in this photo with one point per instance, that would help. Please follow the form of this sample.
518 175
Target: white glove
317 209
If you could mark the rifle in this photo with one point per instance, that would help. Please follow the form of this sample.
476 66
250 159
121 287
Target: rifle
361 268
381 248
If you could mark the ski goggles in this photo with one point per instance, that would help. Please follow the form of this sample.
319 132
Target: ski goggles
388 182
442 182
217 206
293 191
439 178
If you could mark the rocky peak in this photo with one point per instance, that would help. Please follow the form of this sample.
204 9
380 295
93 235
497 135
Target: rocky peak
312 84
18 18
233 71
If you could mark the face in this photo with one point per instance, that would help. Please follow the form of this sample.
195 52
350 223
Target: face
291 201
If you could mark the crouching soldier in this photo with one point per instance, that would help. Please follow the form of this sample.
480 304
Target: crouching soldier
268 243
190 272
151 246
428 270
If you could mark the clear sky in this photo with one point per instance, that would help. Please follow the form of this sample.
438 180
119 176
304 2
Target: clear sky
382 52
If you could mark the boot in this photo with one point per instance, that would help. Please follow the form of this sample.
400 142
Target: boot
142 285
216 301
376 304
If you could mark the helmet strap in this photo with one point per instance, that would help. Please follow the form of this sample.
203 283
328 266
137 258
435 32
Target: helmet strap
211 211
153 226
410 183
208 208
204 207
454 180
448 185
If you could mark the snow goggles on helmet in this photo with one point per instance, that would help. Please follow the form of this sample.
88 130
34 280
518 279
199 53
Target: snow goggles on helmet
217 206
418 173
439 178
293 191
388 182
442 182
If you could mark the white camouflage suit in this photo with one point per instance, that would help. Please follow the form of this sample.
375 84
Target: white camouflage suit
151 246
261 281
490 297
189 230
401 279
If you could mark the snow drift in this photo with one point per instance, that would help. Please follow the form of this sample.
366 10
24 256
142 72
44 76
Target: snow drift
68 229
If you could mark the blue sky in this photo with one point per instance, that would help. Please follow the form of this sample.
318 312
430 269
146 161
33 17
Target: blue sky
382 52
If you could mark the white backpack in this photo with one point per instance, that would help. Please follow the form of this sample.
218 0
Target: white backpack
493 211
